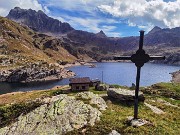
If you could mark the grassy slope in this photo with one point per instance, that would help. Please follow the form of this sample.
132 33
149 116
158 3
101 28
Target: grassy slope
114 118
20 45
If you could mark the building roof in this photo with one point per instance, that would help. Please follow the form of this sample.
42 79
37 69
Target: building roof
80 80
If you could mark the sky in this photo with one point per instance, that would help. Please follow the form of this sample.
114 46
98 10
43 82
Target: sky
117 18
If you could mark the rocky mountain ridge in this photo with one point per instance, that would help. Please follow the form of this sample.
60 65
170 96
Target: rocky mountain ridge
85 45
38 21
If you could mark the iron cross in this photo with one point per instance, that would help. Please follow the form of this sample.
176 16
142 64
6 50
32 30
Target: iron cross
139 58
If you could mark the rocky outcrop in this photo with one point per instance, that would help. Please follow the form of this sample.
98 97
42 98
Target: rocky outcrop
34 73
94 99
176 76
137 122
4 75
114 132
102 87
63 114
154 109
124 95
172 58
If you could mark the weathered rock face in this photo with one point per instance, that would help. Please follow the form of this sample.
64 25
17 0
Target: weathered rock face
102 87
4 75
114 132
35 73
154 109
58 117
124 95
38 21
93 99
176 76
137 122
32 74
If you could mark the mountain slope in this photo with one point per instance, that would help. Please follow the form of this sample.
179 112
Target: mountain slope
21 45
166 37
98 46
38 21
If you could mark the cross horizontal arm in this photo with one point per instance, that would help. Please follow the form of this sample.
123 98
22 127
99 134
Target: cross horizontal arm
157 58
122 58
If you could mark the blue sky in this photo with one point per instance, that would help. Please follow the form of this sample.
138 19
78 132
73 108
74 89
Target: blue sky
117 18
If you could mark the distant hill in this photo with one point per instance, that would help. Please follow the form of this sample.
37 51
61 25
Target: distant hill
85 45
166 37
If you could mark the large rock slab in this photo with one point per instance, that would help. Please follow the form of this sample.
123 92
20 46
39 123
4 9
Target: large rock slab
102 87
55 118
137 122
154 109
93 99
114 132
124 94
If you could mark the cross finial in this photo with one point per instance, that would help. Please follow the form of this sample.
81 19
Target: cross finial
141 39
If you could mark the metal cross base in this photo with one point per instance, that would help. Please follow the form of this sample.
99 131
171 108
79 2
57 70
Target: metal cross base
139 58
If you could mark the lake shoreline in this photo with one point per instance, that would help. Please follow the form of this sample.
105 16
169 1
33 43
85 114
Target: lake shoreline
61 75
114 73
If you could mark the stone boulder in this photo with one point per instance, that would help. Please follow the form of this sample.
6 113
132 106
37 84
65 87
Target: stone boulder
58 117
4 75
137 122
176 77
85 95
102 87
124 95
94 99
114 132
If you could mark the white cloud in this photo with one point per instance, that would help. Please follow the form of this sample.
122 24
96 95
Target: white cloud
88 6
7 5
91 24
146 13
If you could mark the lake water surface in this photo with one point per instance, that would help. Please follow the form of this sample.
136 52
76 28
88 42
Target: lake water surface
111 73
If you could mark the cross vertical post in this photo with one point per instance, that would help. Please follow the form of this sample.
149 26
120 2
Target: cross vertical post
139 58
136 93
138 76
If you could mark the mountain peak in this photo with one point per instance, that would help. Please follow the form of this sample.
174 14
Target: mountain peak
38 21
155 29
17 8
40 12
101 34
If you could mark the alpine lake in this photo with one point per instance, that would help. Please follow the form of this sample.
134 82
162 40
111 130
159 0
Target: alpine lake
111 73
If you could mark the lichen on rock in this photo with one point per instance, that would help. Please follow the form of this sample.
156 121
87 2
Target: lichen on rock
94 99
58 117
124 95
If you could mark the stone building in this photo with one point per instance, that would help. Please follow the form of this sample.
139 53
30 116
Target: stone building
80 84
